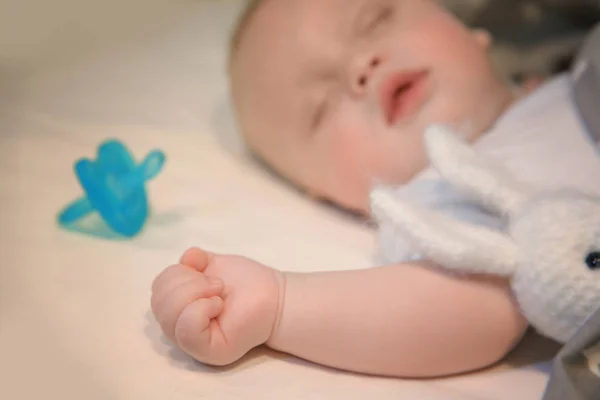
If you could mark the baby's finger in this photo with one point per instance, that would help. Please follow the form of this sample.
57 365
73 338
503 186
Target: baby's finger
197 333
169 310
174 272
196 258
172 282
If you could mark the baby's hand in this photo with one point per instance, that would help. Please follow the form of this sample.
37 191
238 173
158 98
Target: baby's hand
214 307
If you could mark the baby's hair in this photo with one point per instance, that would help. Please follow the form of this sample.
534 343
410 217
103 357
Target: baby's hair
241 25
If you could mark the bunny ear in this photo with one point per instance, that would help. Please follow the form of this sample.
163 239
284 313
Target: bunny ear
473 175
446 241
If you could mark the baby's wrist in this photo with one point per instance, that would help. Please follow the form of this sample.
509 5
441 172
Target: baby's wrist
281 279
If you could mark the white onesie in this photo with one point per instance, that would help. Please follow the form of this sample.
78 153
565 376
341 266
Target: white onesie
541 139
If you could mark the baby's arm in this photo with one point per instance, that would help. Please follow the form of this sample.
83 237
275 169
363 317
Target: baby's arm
403 320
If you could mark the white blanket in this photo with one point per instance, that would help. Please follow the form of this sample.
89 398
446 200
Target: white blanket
74 309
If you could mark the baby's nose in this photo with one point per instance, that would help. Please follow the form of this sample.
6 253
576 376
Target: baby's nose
362 74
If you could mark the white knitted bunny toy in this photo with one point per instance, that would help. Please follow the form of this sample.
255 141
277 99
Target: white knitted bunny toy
551 249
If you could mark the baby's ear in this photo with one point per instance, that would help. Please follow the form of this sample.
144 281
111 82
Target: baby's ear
472 174
483 38
444 240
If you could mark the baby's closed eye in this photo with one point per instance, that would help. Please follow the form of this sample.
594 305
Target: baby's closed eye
377 14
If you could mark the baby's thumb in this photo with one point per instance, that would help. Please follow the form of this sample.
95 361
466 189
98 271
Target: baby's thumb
196 258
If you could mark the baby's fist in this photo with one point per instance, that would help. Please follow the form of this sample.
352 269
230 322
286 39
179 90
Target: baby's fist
216 308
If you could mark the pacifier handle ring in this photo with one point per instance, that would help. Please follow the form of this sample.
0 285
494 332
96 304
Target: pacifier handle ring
75 211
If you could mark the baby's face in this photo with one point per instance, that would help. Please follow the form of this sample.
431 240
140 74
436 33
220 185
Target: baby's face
336 94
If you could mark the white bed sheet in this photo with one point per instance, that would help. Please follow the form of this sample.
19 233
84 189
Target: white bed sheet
74 310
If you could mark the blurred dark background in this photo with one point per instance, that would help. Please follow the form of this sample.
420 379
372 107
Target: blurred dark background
532 38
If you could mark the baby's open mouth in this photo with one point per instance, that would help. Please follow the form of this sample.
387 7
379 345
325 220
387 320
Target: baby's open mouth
402 94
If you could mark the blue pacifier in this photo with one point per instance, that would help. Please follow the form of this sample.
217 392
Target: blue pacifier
115 187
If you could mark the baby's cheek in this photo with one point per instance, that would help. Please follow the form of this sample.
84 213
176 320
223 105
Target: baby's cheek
440 38
351 161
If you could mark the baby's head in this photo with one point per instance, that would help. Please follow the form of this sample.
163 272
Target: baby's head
336 94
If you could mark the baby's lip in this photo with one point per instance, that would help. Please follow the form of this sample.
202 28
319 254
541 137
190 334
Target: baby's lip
402 93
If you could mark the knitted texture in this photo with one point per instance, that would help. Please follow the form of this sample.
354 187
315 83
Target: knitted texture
544 250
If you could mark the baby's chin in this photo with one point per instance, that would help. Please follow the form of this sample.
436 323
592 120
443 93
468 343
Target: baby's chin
356 206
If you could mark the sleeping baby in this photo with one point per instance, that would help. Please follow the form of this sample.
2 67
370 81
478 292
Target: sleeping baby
335 95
